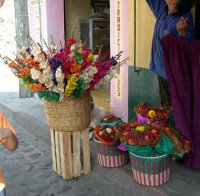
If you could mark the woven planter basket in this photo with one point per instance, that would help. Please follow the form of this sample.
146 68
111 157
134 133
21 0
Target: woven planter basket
73 114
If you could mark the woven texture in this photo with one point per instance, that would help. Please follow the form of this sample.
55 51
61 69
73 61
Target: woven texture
73 114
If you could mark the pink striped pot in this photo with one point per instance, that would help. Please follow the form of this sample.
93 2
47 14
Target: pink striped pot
110 156
150 171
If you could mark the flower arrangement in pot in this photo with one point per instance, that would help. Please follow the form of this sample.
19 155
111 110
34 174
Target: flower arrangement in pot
57 74
64 78
150 145
110 152
148 114
150 166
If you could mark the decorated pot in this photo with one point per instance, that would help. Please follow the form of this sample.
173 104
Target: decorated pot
150 171
110 156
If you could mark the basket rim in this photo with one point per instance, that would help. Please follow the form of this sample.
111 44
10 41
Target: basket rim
97 141
157 157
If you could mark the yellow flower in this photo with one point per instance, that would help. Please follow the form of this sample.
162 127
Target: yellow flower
151 113
90 57
140 128
71 85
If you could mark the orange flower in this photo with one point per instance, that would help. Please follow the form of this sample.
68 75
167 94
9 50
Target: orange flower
14 65
75 68
37 87
131 142
20 60
154 131
24 72
32 62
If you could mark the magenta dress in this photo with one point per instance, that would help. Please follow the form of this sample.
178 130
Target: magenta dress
182 63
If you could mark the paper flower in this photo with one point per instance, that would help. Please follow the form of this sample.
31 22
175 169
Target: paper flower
68 72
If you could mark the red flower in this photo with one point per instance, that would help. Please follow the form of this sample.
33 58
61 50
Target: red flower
71 41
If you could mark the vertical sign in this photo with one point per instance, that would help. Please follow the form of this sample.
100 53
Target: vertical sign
118 45
119 42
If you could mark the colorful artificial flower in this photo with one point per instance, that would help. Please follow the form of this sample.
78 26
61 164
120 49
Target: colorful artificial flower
68 72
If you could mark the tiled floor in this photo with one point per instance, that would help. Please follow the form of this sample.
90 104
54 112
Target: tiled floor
101 98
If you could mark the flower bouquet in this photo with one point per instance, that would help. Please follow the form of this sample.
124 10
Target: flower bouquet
64 79
69 72
147 114
150 145
141 138
150 165
181 144
110 152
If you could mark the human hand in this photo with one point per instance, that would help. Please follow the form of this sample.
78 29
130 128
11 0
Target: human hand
1 2
181 26
8 139
4 134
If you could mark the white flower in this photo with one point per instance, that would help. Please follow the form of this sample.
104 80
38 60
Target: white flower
108 130
87 80
86 77
96 57
36 51
44 64
61 86
61 96
53 46
73 47
40 58
107 78
59 75
49 83
42 78
47 71
84 74
71 55
35 73
93 69
87 85
23 51
113 72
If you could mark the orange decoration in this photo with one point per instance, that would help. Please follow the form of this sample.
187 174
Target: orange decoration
14 65
24 72
75 68
37 87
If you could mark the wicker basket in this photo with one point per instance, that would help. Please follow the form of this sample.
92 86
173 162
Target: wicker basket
73 114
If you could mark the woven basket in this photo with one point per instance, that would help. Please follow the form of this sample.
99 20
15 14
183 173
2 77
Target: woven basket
73 114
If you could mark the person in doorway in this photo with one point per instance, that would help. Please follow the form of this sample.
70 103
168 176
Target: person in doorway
9 141
175 17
